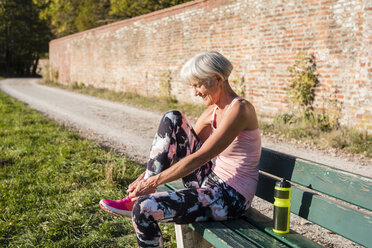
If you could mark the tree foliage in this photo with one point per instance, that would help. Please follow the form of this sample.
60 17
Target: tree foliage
23 37
73 16
129 8
60 14
92 13
26 26
68 17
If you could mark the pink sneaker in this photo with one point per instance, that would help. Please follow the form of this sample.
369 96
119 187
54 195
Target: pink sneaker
121 207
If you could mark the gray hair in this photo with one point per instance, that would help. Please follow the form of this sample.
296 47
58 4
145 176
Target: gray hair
204 66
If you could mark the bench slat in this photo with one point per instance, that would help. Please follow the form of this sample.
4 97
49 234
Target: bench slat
215 233
346 186
255 235
343 220
163 188
264 237
264 223
334 216
218 235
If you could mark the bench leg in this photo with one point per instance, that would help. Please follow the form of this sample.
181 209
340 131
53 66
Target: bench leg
187 238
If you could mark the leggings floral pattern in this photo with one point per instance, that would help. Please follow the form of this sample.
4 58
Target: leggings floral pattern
205 197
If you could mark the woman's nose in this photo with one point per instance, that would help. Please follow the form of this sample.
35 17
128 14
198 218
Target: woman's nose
196 92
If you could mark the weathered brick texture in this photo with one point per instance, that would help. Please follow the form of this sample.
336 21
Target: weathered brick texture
260 37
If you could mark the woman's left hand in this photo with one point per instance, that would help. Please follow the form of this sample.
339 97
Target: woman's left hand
143 187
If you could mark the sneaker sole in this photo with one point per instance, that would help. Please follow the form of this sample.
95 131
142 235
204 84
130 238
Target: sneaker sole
116 211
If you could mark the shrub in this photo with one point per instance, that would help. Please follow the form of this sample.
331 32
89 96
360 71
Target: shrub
304 80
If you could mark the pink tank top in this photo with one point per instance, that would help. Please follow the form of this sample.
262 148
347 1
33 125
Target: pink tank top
237 165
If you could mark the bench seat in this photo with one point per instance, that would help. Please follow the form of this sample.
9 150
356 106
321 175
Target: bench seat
251 230
334 199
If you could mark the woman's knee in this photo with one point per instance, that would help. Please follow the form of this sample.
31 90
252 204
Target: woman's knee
173 115
147 208
171 119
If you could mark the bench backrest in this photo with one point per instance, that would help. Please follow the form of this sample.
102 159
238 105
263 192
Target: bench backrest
335 199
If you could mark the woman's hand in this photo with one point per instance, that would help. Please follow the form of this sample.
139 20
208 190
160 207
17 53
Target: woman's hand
142 187
133 185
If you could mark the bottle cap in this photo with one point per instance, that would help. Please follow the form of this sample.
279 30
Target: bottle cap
283 183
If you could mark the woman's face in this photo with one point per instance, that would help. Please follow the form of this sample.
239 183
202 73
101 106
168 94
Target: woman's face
207 91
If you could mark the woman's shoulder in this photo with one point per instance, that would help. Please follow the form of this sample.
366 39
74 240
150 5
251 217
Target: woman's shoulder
246 111
244 105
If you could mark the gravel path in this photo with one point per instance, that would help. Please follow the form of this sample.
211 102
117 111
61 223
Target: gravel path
116 125
130 130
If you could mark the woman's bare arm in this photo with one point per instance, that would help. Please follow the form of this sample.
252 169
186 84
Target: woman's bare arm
203 126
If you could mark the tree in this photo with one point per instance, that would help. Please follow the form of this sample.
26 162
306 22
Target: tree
23 37
93 13
60 14
26 26
128 8
68 17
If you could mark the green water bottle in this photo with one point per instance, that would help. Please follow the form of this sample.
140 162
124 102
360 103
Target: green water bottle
282 206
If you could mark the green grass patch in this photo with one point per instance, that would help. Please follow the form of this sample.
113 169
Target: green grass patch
51 181
315 132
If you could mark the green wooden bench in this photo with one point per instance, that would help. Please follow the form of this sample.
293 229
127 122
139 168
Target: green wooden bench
336 200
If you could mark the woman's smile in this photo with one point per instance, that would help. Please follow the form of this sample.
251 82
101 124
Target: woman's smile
204 91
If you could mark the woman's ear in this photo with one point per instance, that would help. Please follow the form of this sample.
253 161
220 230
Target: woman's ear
219 79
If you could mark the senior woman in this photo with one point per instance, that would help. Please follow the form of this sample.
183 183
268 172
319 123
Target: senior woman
217 160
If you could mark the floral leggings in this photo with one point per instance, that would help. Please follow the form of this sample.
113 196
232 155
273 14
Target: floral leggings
206 197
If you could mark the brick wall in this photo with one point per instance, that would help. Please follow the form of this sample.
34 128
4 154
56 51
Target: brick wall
260 37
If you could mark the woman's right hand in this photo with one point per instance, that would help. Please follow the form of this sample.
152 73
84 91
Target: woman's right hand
143 187
133 185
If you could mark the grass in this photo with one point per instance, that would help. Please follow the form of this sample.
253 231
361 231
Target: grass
51 181
346 139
